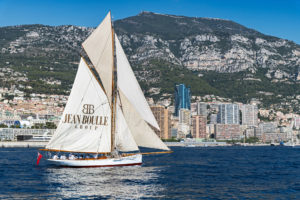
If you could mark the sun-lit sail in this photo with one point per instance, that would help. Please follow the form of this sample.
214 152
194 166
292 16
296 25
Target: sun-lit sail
99 48
143 135
124 139
130 87
105 114
85 124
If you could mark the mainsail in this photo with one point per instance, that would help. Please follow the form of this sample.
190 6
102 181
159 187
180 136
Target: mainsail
99 48
85 124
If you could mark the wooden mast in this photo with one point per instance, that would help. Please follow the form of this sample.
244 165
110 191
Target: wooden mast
114 91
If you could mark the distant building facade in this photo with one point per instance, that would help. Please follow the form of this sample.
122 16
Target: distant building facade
163 117
228 114
228 132
185 116
201 108
199 126
297 122
267 132
213 118
184 123
182 98
249 115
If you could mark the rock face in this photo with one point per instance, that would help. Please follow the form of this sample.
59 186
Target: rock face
40 40
206 44
213 56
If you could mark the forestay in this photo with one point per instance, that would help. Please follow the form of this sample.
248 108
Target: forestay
85 125
130 87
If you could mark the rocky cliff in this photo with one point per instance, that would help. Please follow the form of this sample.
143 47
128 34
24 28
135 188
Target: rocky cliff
213 56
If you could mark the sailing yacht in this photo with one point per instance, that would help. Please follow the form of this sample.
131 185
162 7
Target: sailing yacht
107 117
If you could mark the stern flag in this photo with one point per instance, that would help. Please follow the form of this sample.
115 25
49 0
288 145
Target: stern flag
39 158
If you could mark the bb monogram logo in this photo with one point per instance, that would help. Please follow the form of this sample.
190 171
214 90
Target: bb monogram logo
88 109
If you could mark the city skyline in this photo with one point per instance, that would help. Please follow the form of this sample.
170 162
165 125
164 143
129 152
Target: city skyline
280 18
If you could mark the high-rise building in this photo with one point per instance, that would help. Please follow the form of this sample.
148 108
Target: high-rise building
163 118
249 115
228 114
182 98
213 119
184 122
201 109
297 122
265 128
185 116
199 126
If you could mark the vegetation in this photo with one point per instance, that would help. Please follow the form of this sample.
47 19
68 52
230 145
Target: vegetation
251 140
3 126
54 57
173 139
48 125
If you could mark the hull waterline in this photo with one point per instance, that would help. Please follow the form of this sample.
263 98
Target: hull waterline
109 162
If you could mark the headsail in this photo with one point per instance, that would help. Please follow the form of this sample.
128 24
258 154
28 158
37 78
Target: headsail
85 124
124 139
130 87
143 135
99 48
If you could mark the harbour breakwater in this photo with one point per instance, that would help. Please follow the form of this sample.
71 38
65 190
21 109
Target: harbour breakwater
22 144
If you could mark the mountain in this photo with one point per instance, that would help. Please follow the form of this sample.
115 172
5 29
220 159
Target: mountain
213 56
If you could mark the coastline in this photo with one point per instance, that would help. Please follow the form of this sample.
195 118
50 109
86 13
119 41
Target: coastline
41 144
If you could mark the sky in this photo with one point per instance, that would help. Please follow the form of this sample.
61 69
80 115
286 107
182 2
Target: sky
280 18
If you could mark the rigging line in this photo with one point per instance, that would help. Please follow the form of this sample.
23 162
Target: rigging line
96 78
101 53
100 106
70 127
99 140
105 45
82 98
95 86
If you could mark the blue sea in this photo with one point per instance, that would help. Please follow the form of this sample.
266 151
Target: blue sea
188 173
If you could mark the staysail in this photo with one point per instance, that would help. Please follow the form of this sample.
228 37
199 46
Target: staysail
99 48
130 87
134 105
143 135
124 139
85 124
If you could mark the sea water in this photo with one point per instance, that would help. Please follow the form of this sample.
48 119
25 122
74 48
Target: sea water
188 173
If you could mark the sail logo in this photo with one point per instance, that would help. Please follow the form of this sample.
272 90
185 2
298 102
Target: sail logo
88 109
87 120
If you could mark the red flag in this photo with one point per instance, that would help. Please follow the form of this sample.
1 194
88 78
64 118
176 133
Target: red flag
39 158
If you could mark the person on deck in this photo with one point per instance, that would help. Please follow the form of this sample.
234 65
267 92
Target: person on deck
71 157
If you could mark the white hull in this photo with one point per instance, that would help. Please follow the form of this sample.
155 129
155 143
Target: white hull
109 162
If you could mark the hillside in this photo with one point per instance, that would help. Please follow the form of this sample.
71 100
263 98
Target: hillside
213 56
